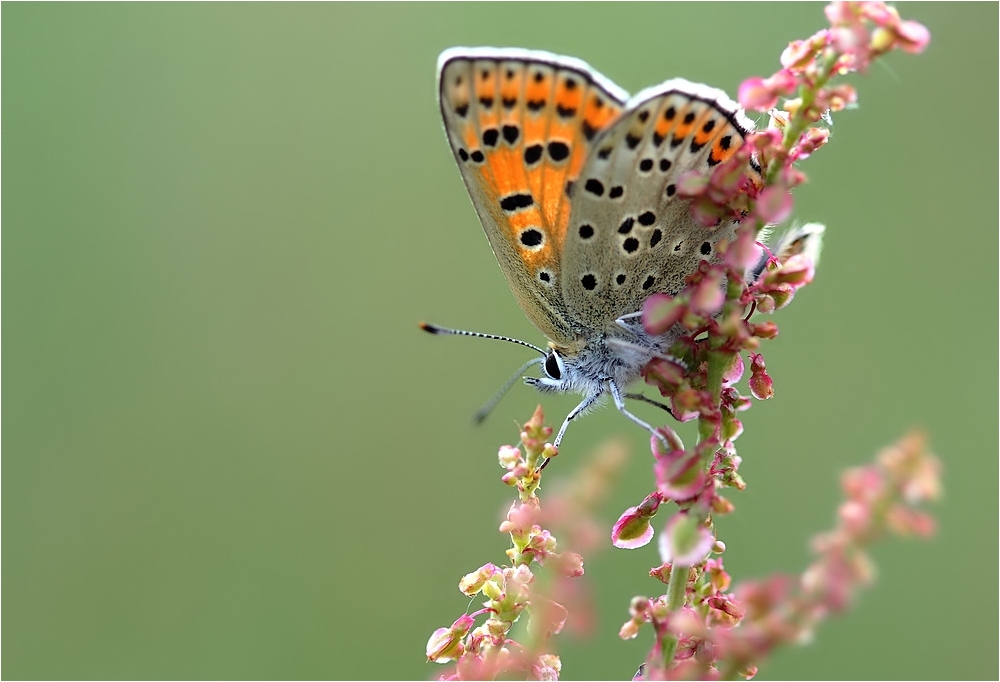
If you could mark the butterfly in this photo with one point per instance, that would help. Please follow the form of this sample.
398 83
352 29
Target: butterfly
575 184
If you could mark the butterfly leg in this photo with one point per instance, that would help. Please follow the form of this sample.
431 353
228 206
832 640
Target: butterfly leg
587 403
662 406
616 394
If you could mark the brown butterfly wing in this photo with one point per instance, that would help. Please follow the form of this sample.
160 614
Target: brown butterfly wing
630 235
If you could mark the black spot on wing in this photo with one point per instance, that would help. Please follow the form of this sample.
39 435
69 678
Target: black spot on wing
594 186
558 151
531 237
515 202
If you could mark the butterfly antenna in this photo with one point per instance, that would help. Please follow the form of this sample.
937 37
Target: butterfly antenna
480 416
485 410
434 329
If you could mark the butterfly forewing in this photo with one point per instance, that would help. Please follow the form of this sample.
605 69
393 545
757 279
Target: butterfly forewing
629 235
522 125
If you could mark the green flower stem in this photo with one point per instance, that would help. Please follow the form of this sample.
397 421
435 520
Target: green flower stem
719 360
676 594
677 583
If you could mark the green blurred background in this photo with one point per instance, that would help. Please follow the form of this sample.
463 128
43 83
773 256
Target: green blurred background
230 453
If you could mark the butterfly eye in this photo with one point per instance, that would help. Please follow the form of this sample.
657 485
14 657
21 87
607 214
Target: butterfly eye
553 366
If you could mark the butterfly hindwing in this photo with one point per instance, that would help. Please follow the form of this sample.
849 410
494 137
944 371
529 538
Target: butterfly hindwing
629 235
522 125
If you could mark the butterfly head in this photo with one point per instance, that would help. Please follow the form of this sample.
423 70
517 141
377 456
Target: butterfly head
587 367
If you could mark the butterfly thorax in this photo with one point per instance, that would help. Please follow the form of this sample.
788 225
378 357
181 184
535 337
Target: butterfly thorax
617 355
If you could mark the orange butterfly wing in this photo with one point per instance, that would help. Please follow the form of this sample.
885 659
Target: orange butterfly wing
521 125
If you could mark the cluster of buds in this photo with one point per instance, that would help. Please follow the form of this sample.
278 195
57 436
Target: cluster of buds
858 33
488 651
723 631
702 629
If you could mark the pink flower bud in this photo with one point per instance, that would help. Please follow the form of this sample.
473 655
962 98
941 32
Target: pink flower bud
705 212
509 456
734 372
473 582
570 564
856 518
684 542
708 296
664 374
783 81
798 55
797 270
811 140
661 312
913 37
546 668
725 610
445 644
764 330
904 520
630 630
520 517
754 94
774 204
632 530
761 385
679 475
691 184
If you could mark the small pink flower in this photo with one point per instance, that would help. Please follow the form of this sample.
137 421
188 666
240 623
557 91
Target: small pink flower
679 475
445 644
761 385
719 579
913 37
851 39
799 55
705 212
472 583
509 456
545 668
664 373
709 294
774 204
856 518
809 142
521 517
570 564
764 330
633 530
684 542
862 483
761 94
797 270
735 371
904 520
732 429
661 312
744 251
691 184
547 617
724 610
629 630
754 94
878 13
470 667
